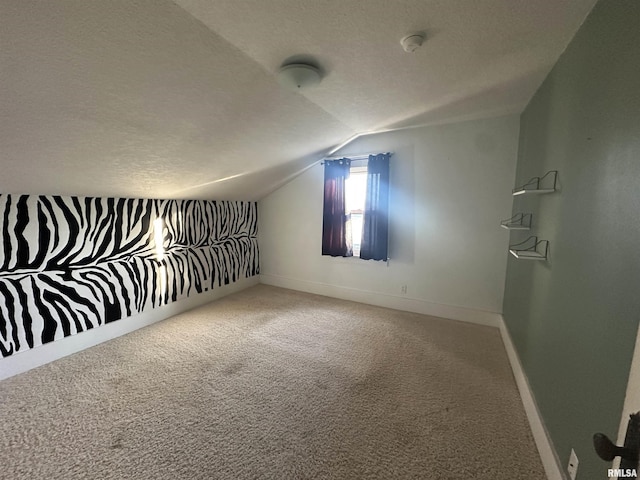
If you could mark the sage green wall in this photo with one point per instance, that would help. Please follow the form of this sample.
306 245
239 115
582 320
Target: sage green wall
574 318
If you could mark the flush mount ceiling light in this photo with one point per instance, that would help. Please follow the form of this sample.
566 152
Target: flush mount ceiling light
297 76
411 43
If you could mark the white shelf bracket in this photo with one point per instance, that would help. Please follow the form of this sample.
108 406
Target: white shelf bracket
530 249
537 185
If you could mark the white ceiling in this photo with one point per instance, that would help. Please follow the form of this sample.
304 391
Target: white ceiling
180 100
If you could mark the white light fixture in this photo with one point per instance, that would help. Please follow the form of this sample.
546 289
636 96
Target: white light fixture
297 76
411 43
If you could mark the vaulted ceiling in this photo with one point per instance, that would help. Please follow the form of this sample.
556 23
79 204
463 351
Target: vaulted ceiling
162 99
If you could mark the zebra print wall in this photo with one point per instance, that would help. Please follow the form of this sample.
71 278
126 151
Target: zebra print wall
69 264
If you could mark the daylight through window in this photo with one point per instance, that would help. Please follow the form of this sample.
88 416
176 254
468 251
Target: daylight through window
355 194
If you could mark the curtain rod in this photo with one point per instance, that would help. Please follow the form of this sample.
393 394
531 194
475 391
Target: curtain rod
360 156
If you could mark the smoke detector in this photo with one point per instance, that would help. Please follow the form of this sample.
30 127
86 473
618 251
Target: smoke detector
411 43
297 76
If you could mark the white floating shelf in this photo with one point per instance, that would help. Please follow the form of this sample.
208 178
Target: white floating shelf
520 221
534 186
522 191
514 227
527 255
530 249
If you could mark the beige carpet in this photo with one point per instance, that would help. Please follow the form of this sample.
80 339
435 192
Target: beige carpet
274 384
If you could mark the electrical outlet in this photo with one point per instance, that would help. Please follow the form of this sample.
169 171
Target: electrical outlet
403 289
572 467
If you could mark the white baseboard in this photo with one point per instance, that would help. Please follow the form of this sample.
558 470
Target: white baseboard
548 455
396 302
23 361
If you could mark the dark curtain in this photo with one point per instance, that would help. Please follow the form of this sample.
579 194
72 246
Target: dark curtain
375 227
335 222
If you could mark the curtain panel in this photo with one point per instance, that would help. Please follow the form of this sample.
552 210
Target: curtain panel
375 229
335 222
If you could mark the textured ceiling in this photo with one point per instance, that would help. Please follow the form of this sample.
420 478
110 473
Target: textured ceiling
180 100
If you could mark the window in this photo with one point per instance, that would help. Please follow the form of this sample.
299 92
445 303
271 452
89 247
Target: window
355 189
356 207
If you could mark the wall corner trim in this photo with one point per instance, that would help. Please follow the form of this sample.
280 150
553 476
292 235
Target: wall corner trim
396 302
548 454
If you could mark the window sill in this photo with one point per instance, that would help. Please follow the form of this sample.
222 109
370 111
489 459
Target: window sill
354 261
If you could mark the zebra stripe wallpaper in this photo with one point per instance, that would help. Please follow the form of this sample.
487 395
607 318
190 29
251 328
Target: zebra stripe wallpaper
69 264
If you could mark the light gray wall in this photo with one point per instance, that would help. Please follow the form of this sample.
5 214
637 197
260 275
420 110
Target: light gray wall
451 185
574 318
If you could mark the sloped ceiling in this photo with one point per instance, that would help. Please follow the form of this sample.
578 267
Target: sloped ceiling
153 98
